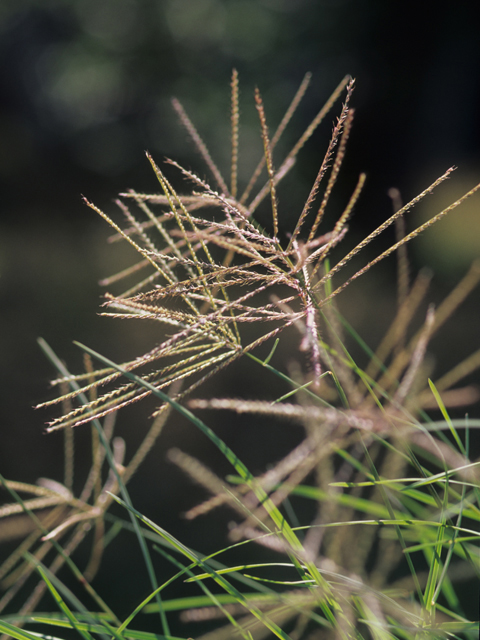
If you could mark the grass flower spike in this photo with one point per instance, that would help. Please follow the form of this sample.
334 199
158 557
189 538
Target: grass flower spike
395 495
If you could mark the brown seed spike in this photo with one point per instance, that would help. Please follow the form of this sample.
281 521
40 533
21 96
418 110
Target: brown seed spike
268 159
277 135
323 168
234 119
199 143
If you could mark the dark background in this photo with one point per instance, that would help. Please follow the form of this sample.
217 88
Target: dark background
85 89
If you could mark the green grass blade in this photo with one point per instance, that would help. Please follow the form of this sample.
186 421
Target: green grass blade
67 594
58 364
61 603
176 544
397 528
210 559
444 412
56 621
270 355
285 378
195 602
20 634
212 598
282 526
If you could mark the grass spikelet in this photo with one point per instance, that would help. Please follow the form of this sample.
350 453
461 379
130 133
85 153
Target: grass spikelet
235 115
393 496
268 160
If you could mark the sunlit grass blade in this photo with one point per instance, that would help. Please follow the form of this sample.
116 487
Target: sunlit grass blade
20 634
67 595
176 544
213 599
444 411
56 620
86 635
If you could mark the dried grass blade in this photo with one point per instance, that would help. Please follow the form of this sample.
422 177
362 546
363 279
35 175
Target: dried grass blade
398 328
125 273
402 257
445 309
416 360
461 291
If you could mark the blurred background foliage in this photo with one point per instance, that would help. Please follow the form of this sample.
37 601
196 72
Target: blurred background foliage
85 89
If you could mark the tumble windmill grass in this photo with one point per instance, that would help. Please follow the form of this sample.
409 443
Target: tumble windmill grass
207 272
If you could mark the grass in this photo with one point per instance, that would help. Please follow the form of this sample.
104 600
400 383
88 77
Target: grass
395 495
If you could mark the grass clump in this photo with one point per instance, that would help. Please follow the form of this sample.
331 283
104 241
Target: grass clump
395 495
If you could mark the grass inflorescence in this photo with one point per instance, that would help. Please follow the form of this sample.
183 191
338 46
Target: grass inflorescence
395 495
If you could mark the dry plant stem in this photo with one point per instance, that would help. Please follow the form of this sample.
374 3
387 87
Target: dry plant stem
415 360
402 258
21 575
93 482
465 368
337 544
340 228
265 190
459 293
455 398
69 447
445 453
96 554
393 466
314 124
397 330
325 510
295 478
10 578
151 437
344 374
332 417
443 312
211 482
329 510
